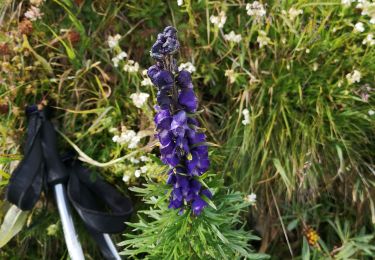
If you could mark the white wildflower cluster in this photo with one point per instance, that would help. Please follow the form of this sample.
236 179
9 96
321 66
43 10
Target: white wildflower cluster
33 13
219 20
129 137
369 40
231 75
139 99
246 117
256 9
293 13
359 27
138 172
233 37
131 66
119 57
371 112
262 39
180 2
368 9
113 40
113 43
252 198
354 77
188 66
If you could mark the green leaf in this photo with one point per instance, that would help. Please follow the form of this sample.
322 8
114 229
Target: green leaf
293 224
305 250
13 223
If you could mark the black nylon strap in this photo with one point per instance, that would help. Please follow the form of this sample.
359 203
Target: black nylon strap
101 207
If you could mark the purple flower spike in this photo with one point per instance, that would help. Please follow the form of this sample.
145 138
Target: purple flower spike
182 146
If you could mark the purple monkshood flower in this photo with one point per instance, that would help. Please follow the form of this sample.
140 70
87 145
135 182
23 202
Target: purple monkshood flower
182 147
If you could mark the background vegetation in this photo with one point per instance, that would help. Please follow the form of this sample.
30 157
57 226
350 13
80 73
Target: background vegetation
288 104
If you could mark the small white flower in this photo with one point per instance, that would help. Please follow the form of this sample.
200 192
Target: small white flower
146 82
131 66
139 99
371 112
369 40
144 73
126 178
262 39
252 198
188 66
128 137
137 173
180 2
133 160
119 58
144 158
115 61
134 142
255 9
353 77
315 66
33 13
246 119
307 51
113 40
219 20
232 37
231 76
359 27
116 138
293 13
347 2
144 169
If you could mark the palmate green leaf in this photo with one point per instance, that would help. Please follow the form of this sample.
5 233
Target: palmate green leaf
13 222
162 233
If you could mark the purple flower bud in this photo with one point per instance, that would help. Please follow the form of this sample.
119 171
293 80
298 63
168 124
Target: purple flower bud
166 44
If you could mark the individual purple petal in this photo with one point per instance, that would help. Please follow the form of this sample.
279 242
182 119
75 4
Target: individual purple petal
163 79
207 193
163 100
181 181
163 119
183 144
175 204
152 71
179 119
165 137
172 159
171 178
187 98
184 79
195 186
196 138
198 205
